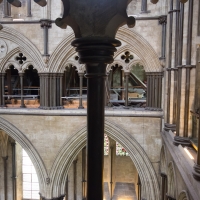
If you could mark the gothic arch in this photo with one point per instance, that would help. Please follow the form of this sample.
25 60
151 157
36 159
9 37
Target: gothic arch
61 54
73 146
135 42
140 47
171 180
183 196
18 136
24 45
163 160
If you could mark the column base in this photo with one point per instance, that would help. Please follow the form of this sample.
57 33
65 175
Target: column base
196 172
181 141
171 127
22 106
80 107
126 107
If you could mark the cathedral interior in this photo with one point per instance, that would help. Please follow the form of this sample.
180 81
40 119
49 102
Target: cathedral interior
99 99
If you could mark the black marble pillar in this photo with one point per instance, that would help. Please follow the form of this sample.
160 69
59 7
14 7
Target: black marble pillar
81 91
96 53
21 75
6 9
84 181
5 177
163 22
28 7
126 74
14 186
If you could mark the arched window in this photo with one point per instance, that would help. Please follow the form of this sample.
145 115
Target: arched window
30 179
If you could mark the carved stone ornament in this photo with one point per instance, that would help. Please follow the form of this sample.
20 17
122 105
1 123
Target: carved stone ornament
94 17
3 48
163 19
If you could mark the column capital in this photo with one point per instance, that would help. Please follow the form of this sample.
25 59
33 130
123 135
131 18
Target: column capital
45 23
162 19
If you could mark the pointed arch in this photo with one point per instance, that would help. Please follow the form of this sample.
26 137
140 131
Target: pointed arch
25 46
171 180
73 146
183 196
163 160
19 137
140 47
135 43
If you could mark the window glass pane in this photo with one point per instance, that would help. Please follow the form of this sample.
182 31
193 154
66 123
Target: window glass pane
27 194
120 151
35 187
35 195
30 179
26 169
27 161
34 178
27 178
26 186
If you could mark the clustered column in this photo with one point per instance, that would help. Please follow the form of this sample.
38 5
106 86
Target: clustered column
50 91
154 90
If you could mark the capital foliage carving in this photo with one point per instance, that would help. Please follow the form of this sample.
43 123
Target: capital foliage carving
95 18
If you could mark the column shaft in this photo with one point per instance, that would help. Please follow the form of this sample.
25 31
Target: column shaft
3 89
13 144
5 176
22 90
179 81
75 179
61 89
84 186
95 135
168 94
126 88
28 7
144 6
81 91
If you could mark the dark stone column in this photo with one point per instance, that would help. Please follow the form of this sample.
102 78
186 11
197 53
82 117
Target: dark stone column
175 95
139 188
22 89
7 9
144 6
164 186
28 7
95 45
61 89
46 24
97 53
169 59
13 144
84 185
188 67
163 22
75 179
126 74
81 91
179 81
1 89
5 176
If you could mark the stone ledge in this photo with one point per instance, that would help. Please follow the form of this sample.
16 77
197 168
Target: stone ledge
83 112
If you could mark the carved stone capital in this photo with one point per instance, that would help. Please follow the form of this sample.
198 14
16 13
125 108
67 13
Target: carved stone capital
89 18
163 19
45 23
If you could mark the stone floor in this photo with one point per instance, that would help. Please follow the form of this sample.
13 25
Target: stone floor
122 191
